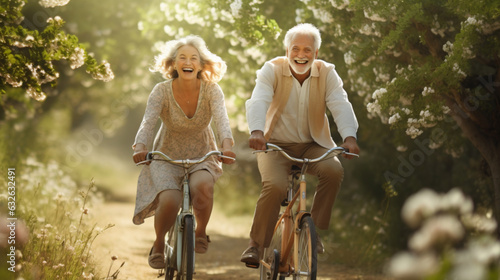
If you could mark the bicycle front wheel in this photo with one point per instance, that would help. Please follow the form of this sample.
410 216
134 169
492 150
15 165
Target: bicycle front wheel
270 265
170 255
306 251
186 270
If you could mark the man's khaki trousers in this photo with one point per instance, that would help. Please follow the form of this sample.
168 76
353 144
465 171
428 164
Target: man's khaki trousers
274 169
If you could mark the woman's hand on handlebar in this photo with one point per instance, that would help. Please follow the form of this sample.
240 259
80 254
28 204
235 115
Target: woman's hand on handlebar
140 153
227 153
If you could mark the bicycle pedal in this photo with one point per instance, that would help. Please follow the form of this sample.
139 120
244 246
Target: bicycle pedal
252 265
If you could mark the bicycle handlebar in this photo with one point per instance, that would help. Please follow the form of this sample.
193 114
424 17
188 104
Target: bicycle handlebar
184 162
337 150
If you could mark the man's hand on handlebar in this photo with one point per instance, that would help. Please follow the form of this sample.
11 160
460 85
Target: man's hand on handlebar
351 145
257 141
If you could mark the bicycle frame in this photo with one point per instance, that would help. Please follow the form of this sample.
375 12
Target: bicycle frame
289 240
186 207
291 228
185 211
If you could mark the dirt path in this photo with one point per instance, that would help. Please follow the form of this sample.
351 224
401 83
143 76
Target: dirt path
131 244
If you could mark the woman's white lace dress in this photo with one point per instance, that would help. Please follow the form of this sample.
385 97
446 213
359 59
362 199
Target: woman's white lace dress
179 137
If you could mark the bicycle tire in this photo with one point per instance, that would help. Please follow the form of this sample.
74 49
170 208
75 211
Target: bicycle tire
170 256
307 251
186 270
269 256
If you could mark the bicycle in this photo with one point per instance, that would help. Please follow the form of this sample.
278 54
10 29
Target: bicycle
293 247
179 246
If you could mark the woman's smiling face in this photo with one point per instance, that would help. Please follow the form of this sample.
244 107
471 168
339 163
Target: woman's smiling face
301 53
188 62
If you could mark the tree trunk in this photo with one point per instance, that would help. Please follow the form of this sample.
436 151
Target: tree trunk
487 143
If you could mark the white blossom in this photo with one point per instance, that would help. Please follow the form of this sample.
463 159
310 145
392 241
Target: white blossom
448 47
349 58
459 71
339 4
401 148
373 16
37 95
406 265
77 58
394 118
456 200
53 3
419 206
473 21
427 91
379 93
235 8
374 108
437 230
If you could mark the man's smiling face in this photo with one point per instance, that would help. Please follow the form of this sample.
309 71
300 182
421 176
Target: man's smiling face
301 53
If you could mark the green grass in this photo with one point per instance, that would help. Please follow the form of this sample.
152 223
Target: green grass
53 214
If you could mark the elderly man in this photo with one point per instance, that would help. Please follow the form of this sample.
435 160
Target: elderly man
288 108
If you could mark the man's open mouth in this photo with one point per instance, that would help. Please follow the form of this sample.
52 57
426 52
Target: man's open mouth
301 61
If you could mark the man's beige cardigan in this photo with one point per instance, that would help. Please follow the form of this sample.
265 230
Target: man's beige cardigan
283 82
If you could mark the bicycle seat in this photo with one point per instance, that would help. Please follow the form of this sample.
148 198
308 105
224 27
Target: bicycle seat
295 169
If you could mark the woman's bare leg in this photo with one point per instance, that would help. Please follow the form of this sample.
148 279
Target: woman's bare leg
169 202
202 193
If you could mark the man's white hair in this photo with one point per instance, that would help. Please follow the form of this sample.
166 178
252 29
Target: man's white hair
303 28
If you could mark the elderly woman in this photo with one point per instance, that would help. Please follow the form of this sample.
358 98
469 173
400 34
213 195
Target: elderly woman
186 103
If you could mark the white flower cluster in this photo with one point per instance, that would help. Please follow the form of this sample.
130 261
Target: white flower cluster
339 4
413 131
349 58
473 21
380 76
323 15
108 74
77 58
235 8
53 3
427 119
442 220
394 118
427 91
439 29
374 107
369 14
448 47
458 70
370 30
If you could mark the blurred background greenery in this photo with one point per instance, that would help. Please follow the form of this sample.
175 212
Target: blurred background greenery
87 126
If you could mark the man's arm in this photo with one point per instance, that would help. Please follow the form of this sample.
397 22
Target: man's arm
342 112
258 104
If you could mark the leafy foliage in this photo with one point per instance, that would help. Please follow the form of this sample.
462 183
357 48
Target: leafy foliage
30 49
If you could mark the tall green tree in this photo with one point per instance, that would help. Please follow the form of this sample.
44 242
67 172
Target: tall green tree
429 69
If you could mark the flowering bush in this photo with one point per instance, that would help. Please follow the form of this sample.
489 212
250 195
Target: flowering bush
30 48
451 241
56 212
